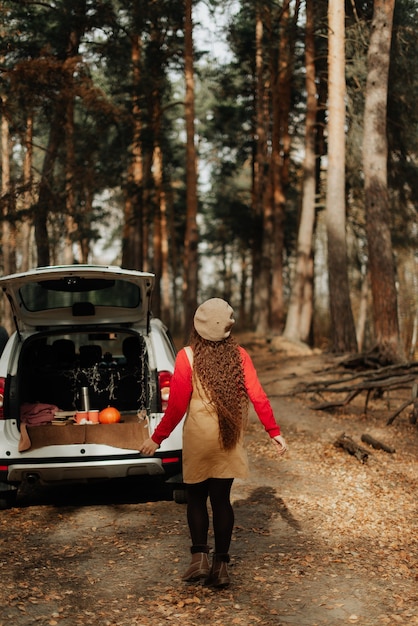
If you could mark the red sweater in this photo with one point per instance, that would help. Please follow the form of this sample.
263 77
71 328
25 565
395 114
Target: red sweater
181 391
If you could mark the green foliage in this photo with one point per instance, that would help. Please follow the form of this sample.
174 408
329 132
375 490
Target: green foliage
43 73
403 123
81 52
402 119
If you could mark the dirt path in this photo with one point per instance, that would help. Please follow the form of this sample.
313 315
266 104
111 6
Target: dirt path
320 539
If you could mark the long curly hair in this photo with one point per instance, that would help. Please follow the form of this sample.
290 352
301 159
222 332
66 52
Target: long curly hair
218 366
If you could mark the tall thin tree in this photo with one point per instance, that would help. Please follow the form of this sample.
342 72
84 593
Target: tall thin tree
375 149
191 236
343 337
133 248
282 75
8 230
261 196
300 310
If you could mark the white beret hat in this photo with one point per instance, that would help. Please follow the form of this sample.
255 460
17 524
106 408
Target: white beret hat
214 319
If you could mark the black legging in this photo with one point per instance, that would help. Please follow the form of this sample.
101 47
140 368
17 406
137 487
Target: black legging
218 490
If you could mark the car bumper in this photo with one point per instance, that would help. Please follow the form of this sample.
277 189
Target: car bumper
85 471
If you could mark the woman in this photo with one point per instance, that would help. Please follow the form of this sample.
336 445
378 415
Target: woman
213 380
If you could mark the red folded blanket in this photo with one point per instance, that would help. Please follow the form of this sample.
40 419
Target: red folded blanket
37 413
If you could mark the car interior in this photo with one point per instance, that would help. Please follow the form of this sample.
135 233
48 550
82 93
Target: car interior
113 366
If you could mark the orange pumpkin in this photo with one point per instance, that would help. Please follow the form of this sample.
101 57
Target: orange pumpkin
109 415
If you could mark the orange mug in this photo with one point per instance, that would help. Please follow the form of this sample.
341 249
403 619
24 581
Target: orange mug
93 416
81 415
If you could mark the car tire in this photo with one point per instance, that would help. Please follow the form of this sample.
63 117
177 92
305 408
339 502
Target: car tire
180 496
7 499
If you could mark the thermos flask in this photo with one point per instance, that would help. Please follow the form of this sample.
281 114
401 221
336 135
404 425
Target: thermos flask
85 401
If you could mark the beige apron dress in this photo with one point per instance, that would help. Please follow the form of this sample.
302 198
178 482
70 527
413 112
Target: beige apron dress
203 456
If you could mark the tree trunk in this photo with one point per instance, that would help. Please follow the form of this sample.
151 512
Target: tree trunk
5 191
161 299
262 206
84 243
287 41
69 69
175 296
8 238
362 311
242 309
26 230
156 255
147 201
165 308
70 223
45 193
299 316
191 235
381 263
281 74
132 237
342 323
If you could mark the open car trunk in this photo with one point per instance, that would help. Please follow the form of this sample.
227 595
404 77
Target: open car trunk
55 370
129 433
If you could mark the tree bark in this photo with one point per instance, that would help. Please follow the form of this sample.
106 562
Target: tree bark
350 446
161 261
132 237
280 159
70 223
262 203
28 201
300 310
342 323
375 150
362 311
191 235
376 444
5 191
8 234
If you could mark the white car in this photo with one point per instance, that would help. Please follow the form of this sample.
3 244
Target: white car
85 340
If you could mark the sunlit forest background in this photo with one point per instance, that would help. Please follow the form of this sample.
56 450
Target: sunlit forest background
264 151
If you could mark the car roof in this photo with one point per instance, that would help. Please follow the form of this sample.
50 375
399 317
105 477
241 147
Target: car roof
76 295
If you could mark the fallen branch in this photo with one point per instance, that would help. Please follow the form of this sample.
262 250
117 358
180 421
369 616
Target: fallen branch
348 444
413 416
397 412
337 403
378 445
375 383
381 384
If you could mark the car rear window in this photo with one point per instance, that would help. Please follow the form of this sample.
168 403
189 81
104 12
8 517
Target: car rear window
72 290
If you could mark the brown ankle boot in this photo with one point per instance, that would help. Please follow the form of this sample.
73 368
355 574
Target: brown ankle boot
218 576
199 566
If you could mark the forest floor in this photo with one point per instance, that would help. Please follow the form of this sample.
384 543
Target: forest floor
320 538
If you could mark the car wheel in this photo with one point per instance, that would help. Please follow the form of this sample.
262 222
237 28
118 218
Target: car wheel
7 499
180 496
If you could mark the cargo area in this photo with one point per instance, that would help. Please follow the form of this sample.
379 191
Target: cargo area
113 366
129 433
56 374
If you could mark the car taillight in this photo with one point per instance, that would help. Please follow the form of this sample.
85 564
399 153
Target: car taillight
2 384
171 459
164 380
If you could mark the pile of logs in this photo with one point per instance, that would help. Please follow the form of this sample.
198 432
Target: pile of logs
362 454
373 382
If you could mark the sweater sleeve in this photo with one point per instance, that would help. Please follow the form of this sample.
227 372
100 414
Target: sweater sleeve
258 396
178 402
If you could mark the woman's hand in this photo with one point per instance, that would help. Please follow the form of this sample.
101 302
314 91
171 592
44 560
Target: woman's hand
148 447
281 444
